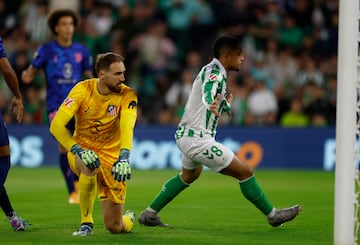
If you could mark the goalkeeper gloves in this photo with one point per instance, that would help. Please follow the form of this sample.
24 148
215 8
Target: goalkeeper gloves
88 157
121 169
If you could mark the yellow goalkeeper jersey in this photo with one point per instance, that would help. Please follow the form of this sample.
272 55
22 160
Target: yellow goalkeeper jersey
103 123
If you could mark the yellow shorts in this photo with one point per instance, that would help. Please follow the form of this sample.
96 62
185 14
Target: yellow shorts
107 187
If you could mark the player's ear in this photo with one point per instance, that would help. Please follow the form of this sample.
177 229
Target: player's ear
101 73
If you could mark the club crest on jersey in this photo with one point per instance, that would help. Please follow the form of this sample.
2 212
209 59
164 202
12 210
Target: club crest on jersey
78 57
111 110
212 77
68 102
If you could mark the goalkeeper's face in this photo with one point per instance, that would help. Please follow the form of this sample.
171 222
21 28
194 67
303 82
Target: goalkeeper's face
114 76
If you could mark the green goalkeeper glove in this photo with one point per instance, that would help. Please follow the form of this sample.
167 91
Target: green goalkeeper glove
88 157
121 169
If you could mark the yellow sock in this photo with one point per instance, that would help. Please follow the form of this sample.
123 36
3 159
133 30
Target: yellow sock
87 188
128 223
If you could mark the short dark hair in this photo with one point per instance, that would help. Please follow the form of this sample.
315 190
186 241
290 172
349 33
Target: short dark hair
55 16
223 43
103 61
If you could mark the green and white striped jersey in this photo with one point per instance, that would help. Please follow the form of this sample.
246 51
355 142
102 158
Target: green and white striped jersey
210 81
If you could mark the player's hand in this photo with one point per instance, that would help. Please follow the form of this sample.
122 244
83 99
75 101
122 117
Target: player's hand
17 104
214 105
230 98
27 76
121 169
88 157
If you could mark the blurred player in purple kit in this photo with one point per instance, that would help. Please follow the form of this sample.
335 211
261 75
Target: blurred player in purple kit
11 80
64 63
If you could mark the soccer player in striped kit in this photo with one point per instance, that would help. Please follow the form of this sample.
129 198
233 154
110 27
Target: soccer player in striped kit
17 223
195 137
64 63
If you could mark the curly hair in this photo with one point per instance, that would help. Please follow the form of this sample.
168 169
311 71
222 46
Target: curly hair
55 16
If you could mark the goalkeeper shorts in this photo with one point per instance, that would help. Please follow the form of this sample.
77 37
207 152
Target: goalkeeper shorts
107 187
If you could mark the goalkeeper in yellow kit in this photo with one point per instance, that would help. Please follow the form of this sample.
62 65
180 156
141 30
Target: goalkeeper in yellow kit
105 113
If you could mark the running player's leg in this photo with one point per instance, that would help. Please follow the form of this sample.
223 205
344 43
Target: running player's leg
252 191
249 187
171 188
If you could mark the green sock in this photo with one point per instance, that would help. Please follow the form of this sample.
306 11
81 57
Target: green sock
253 192
170 190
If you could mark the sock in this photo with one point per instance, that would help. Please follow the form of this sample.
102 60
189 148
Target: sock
5 202
170 190
253 192
67 172
4 199
128 223
87 188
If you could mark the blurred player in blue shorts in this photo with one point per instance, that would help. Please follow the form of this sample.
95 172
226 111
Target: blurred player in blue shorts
65 63
11 80
195 137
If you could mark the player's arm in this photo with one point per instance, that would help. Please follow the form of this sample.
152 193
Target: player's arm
59 131
62 135
211 98
28 75
13 83
121 169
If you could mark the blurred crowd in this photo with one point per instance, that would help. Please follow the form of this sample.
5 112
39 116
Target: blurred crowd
288 78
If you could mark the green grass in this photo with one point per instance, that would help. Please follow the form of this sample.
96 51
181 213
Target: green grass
211 211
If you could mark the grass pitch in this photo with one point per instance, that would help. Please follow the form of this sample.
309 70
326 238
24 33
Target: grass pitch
211 211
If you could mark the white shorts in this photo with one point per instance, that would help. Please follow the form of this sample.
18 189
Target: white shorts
197 151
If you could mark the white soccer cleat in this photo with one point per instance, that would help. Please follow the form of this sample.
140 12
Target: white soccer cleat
17 223
149 218
84 230
284 215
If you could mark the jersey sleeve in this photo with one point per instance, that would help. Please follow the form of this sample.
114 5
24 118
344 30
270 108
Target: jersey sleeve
73 100
39 57
128 115
209 88
66 111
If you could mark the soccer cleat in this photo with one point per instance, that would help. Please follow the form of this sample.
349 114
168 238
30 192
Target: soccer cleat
284 215
149 218
84 230
74 198
130 214
17 223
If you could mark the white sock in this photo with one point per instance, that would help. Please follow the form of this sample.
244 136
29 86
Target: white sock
151 210
272 213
